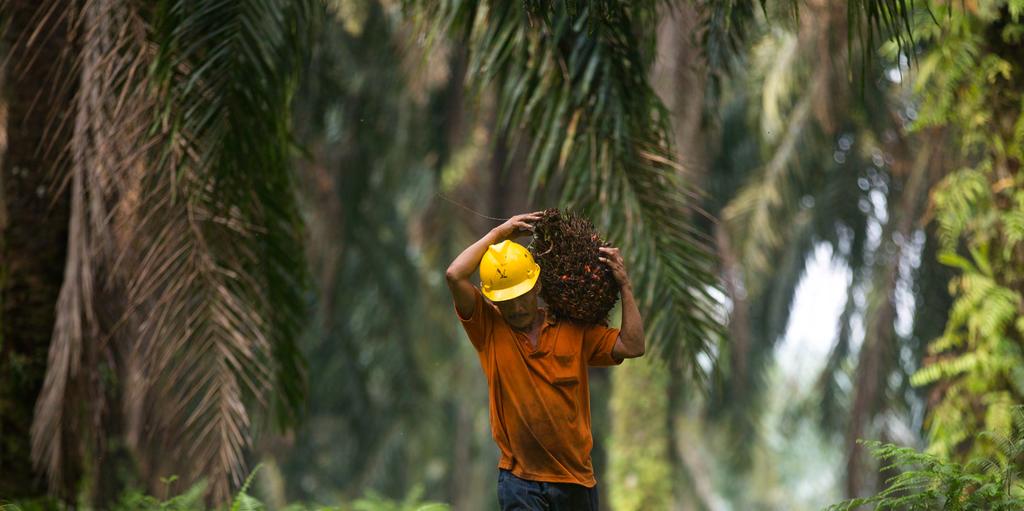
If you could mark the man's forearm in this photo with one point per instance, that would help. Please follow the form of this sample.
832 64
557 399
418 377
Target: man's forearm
466 263
632 329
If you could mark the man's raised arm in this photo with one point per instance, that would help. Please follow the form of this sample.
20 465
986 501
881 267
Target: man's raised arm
630 343
462 268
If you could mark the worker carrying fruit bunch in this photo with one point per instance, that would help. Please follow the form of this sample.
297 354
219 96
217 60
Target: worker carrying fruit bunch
536 358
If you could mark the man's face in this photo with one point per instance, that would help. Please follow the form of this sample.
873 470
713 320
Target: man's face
521 311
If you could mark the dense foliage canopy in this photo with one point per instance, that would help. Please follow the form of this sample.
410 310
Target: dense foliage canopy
223 228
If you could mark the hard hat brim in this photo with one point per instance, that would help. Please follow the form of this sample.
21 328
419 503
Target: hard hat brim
501 295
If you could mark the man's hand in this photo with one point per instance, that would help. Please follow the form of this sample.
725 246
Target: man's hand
517 226
613 259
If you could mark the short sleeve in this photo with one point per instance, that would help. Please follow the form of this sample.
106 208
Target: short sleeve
598 341
479 324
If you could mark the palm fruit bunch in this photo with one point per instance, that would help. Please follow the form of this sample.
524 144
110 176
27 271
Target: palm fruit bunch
574 283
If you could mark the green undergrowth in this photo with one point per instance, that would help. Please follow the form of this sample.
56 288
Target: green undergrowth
928 481
193 500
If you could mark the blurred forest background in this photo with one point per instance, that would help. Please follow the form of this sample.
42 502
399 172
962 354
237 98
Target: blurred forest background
224 226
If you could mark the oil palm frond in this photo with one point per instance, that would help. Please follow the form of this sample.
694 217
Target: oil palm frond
574 85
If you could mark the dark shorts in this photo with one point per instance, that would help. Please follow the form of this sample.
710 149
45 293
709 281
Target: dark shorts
515 494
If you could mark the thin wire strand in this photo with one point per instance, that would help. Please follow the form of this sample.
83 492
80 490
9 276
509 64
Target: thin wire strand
481 215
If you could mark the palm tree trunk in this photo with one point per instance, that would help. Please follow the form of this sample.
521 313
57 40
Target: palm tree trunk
680 77
878 351
639 459
33 222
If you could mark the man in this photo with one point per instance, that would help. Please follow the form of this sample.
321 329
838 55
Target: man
536 368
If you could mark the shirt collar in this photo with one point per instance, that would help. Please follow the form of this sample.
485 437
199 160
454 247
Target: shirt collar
549 317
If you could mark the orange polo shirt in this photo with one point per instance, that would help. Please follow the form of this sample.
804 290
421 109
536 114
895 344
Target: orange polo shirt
540 398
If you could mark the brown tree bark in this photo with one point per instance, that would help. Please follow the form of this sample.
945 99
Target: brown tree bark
680 78
879 349
33 224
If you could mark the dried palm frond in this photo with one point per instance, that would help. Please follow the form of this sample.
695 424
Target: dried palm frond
106 151
184 234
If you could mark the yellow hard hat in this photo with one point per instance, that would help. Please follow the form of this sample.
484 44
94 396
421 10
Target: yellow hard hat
507 270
